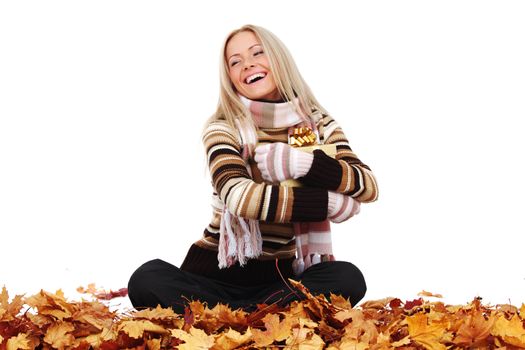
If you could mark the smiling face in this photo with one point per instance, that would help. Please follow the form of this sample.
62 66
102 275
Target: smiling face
249 69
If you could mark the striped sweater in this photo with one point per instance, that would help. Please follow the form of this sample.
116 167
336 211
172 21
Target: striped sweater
277 207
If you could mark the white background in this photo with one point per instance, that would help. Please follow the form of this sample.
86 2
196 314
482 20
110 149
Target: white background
102 105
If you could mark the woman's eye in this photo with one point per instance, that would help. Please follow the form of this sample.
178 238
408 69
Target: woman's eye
257 53
234 63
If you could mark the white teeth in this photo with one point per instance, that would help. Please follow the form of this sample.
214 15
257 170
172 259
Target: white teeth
251 77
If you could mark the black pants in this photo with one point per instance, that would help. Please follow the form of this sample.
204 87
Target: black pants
160 283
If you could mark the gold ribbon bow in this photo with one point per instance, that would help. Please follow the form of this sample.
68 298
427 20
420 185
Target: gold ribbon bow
300 137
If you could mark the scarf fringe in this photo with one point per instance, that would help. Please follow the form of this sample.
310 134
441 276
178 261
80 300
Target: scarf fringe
239 240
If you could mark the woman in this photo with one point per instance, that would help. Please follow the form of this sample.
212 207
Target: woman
248 250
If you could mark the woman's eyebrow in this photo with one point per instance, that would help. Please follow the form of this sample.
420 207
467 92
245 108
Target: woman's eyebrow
237 54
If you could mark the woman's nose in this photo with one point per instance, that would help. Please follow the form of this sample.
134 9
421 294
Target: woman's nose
248 64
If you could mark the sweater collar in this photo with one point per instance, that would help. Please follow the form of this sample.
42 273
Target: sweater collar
275 114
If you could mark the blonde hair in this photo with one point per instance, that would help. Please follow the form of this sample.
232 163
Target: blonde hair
289 81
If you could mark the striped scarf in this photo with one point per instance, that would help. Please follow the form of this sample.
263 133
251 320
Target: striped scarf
240 239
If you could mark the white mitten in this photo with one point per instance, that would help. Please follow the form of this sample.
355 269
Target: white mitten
279 162
341 207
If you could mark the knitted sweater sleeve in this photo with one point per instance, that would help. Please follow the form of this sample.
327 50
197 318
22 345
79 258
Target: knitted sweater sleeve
346 173
244 197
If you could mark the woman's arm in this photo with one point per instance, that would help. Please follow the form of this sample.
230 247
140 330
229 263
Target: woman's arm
244 197
346 173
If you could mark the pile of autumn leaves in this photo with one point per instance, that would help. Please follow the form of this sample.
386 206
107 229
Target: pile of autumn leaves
49 321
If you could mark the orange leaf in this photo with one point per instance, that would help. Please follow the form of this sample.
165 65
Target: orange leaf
428 335
474 330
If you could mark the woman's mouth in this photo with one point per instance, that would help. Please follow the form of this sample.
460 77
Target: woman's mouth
254 78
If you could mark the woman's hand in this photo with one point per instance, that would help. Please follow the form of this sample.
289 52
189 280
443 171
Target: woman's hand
341 207
279 162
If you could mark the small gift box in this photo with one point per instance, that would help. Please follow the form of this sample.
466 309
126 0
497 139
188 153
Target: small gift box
304 140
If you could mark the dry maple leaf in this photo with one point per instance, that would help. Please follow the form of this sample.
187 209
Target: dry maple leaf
136 328
475 330
276 330
232 339
511 331
195 339
428 335
340 302
19 342
9 310
424 293
58 335
95 340
157 313
51 304
304 339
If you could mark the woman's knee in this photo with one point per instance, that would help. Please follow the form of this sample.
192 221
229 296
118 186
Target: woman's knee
141 281
353 284
337 277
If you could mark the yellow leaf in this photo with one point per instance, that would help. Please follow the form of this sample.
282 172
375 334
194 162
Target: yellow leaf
340 302
428 335
522 311
510 330
276 330
57 335
96 339
57 313
156 314
9 310
196 339
232 339
348 314
136 328
304 339
352 344
18 342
